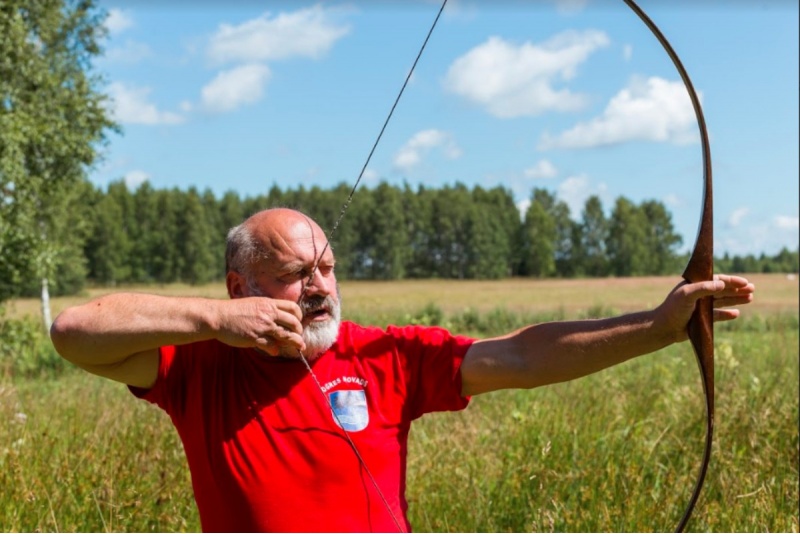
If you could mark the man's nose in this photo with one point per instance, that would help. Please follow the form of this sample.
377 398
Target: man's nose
318 285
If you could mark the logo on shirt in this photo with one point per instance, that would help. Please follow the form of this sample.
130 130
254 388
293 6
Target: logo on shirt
350 409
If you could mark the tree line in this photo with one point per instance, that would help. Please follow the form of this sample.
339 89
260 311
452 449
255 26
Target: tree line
147 235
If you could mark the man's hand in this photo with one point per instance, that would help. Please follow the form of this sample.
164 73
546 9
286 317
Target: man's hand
674 313
270 325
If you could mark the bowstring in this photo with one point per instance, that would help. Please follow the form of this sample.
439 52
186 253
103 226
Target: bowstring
329 237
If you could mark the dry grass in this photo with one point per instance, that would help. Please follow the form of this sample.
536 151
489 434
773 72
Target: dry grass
775 293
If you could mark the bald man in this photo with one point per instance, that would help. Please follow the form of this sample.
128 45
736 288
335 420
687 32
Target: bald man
267 441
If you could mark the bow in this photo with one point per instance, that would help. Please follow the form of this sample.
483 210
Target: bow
699 269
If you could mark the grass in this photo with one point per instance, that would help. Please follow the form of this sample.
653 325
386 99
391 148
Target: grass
775 293
617 451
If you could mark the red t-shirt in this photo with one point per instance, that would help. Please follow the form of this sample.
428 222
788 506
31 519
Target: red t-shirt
263 447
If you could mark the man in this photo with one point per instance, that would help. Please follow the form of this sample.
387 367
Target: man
265 437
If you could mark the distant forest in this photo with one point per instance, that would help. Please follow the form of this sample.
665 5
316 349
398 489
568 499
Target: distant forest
388 233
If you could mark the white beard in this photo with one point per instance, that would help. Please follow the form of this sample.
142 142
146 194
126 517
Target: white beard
318 336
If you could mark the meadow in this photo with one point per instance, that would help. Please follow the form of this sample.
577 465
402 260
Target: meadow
617 451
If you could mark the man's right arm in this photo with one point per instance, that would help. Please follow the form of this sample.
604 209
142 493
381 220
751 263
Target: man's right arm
117 336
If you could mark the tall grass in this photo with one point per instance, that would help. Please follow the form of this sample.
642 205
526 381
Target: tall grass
616 451
619 451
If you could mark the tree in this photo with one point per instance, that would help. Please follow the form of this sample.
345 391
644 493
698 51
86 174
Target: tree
197 241
594 233
627 239
52 118
541 233
108 248
662 241
390 248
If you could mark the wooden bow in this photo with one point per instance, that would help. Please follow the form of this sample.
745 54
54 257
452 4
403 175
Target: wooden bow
699 269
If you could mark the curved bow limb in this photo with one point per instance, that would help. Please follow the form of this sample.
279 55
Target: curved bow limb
700 268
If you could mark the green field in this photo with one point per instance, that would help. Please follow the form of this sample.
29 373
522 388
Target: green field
617 451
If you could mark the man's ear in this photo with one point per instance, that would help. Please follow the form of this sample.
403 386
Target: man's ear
236 284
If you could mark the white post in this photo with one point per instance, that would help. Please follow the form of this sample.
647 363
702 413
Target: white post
46 318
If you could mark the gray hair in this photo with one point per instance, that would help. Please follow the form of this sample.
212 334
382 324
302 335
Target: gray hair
242 250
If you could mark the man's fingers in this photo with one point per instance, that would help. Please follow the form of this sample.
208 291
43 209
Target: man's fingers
732 281
288 322
276 347
290 307
736 300
725 315
723 287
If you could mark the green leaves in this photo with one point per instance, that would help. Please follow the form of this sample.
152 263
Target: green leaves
52 120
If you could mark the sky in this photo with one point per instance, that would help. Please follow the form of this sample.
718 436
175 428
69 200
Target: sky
574 96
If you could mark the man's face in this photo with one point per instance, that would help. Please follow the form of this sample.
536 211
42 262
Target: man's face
287 274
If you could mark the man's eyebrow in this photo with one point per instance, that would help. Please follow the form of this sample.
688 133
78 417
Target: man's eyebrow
292 266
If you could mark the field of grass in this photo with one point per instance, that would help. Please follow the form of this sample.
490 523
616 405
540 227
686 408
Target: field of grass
617 451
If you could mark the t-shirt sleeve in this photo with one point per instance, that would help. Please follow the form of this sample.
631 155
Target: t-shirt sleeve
167 392
433 358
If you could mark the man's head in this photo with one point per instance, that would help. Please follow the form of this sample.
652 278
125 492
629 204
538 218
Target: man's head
273 254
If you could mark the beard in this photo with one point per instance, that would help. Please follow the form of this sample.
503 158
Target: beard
318 336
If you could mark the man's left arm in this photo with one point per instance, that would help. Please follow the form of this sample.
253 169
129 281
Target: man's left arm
559 351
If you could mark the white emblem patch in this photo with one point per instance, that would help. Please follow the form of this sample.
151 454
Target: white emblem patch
350 406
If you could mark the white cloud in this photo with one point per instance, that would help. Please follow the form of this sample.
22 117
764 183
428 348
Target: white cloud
575 190
233 88
410 154
651 110
627 52
130 52
786 222
118 21
513 81
129 105
542 169
736 216
134 179
309 32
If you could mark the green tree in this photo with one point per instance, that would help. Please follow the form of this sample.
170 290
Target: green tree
52 118
540 235
594 233
502 218
391 243
567 243
108 248
449 225
166 253
627 239
197 241
662 241
418 206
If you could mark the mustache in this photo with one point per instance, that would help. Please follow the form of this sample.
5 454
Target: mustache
313 303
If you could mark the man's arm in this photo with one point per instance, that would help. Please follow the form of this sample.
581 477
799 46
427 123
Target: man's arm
117 336
556 352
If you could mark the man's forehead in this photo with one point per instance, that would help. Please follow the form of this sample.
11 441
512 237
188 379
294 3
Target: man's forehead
285 231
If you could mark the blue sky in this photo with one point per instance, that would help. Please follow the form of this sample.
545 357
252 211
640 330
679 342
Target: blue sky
574 96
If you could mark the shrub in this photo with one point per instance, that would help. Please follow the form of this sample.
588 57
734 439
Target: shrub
25 348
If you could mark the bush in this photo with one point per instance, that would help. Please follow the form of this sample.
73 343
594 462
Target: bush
25 348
